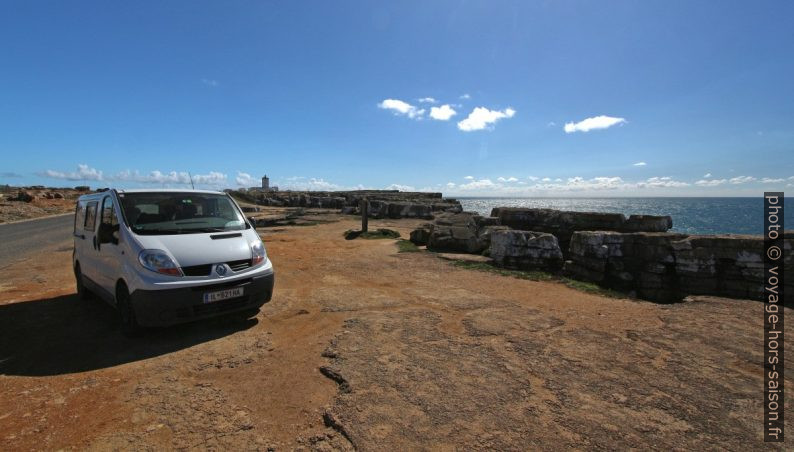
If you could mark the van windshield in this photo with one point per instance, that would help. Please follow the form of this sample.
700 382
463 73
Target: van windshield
159 213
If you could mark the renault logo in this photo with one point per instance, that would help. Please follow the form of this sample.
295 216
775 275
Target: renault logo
220 269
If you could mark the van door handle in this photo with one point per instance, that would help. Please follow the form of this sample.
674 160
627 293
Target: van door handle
80 236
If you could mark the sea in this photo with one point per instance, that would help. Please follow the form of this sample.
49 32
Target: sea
690 215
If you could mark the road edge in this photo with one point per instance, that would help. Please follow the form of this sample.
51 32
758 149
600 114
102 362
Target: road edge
37 218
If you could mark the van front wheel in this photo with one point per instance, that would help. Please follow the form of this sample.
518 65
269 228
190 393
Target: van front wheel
129 324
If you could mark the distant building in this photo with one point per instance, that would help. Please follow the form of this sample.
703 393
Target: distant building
265 186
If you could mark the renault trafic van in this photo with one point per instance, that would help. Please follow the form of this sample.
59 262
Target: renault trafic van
169 256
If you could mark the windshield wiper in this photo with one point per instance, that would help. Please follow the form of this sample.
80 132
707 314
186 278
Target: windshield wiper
180 231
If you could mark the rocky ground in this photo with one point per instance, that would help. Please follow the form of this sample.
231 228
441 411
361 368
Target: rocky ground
35 203
364 347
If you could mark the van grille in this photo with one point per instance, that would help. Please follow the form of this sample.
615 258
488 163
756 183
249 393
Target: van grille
237 266
206 269
197 270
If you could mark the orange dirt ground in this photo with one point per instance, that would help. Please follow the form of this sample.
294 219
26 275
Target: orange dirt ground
364 347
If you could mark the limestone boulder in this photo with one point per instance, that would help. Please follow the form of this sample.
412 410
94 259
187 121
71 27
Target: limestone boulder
421 235
525 250
456 233
485 233
24 196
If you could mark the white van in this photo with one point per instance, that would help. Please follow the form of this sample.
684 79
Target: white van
169 256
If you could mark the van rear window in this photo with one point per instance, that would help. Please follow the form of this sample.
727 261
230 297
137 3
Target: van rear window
90 216
79 215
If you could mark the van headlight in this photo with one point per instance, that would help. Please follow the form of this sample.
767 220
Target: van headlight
258 254
159 262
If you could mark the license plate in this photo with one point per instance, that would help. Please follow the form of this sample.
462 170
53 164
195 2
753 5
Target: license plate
211 297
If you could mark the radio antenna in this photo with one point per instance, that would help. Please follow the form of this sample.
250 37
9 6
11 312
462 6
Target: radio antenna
191 180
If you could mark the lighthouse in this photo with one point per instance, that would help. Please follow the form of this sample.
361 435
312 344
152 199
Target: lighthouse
265 183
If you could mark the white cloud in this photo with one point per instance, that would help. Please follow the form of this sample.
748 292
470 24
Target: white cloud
576 186
465 96
84 172
451 184
299 183
442 113
400 187
508 179
640 164
571 184
661 182
477 185
246 180
707 175
208 82
402 108
469 177
427 100
481 118
594 123
596 183
711 182
551 124
742 180
769 180
213 178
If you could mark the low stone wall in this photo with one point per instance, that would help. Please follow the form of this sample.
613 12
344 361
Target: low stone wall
666 267
563 223
382 203
526 250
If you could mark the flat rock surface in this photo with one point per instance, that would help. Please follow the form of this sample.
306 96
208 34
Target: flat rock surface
364 347
465 257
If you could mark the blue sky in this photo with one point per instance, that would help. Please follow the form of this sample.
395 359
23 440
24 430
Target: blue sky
551 98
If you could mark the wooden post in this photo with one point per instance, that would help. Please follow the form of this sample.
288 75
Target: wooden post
363 206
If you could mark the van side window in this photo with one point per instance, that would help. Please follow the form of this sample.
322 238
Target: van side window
90 216
108 213
79 215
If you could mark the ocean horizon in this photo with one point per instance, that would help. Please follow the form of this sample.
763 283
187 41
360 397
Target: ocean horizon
691 215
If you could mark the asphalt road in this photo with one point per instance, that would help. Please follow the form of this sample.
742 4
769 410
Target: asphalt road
19 239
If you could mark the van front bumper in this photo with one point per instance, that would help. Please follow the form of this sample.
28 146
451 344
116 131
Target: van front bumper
172 306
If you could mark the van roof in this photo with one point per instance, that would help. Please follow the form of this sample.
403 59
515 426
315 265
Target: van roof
148 190
169 190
